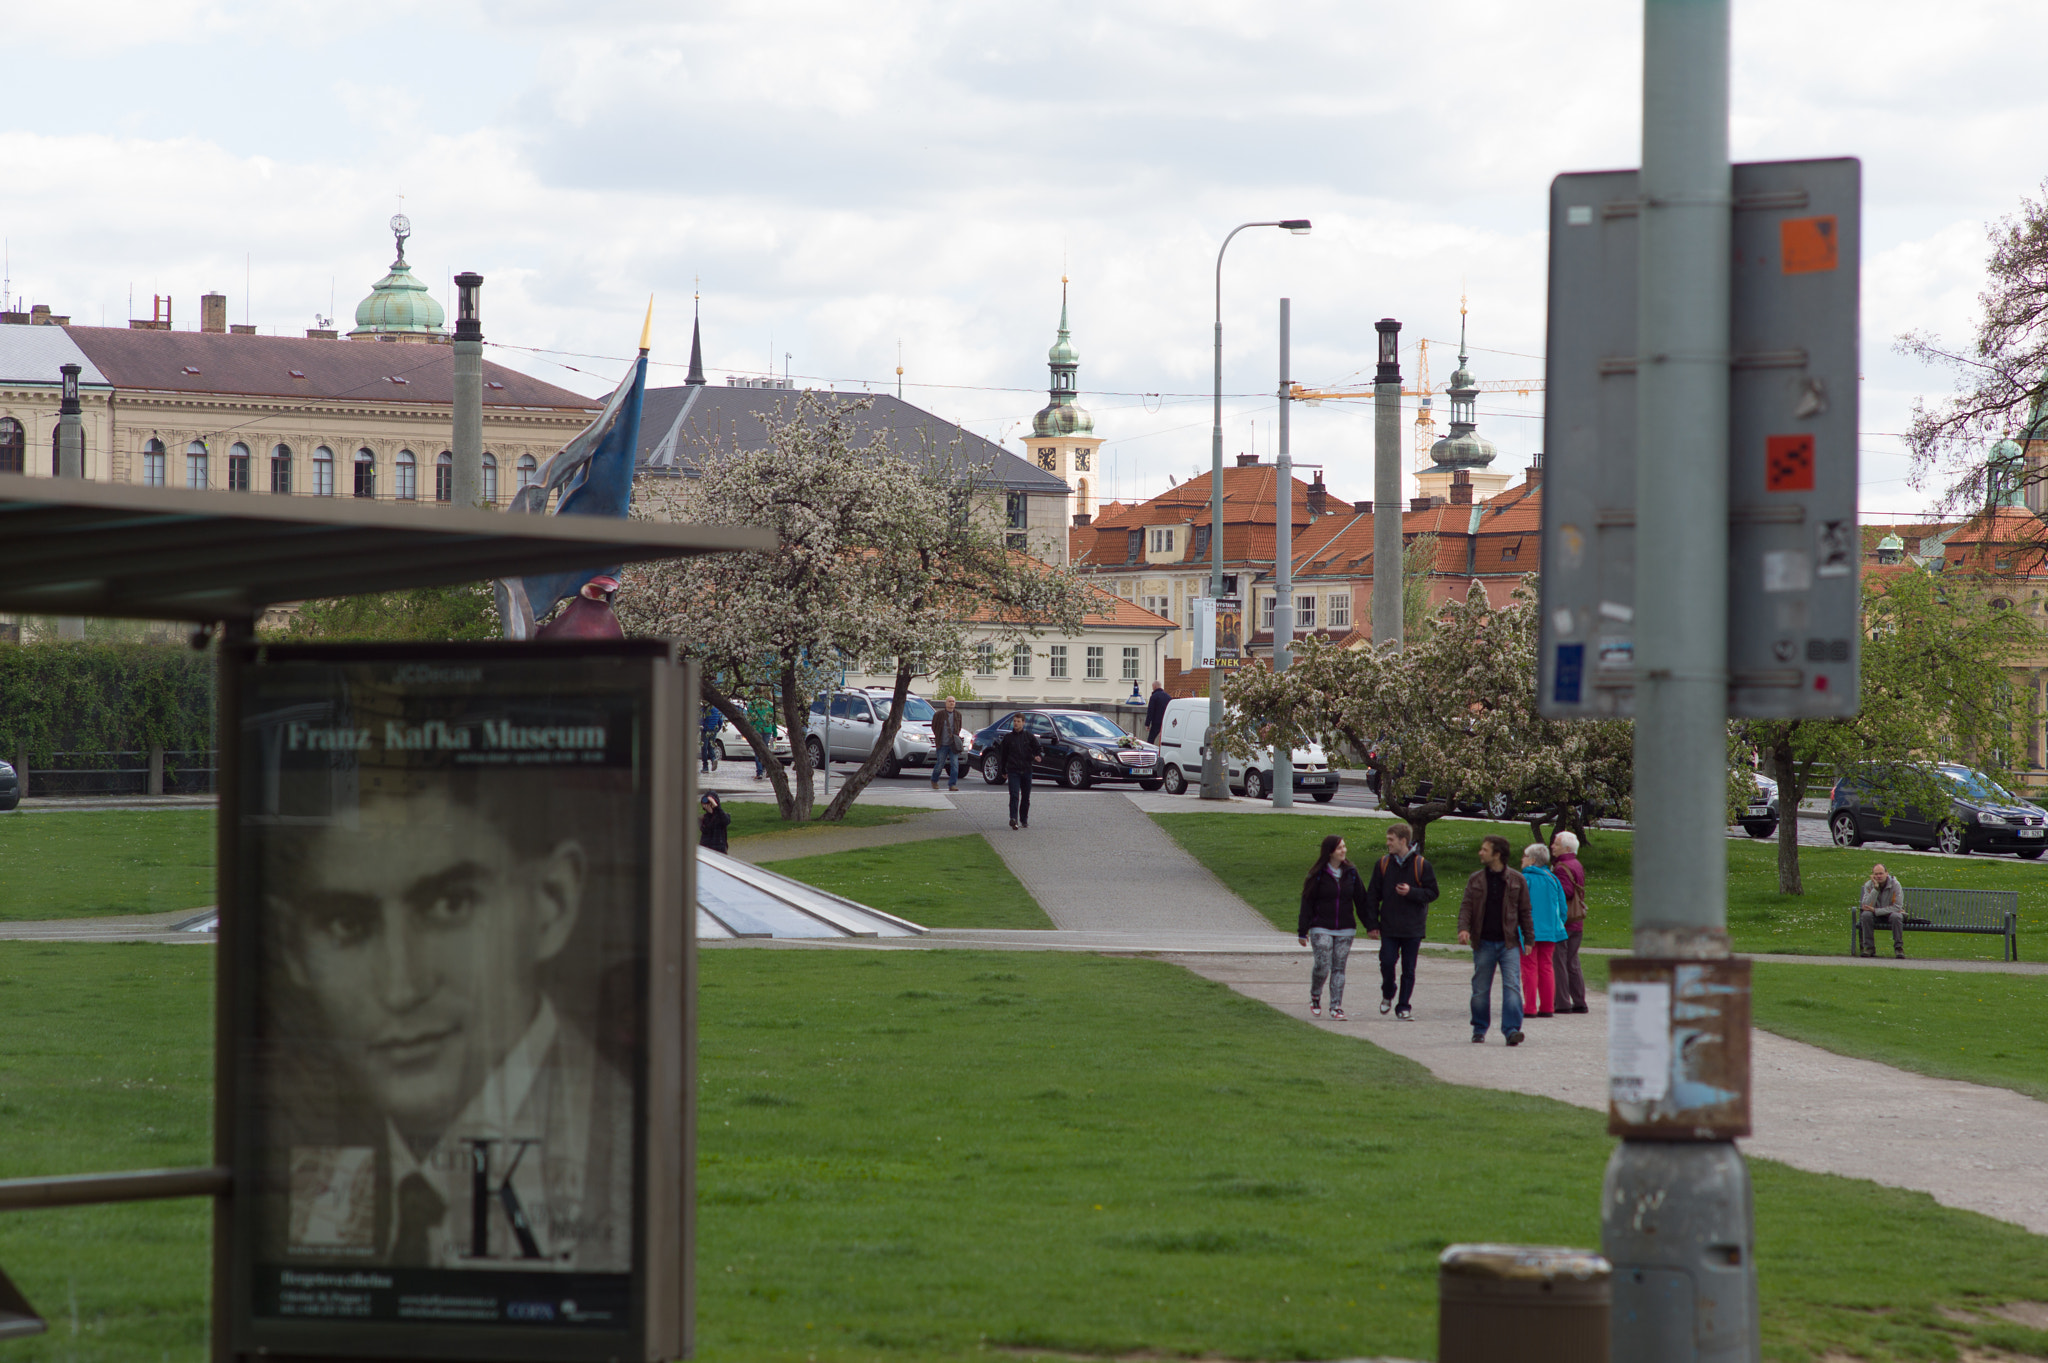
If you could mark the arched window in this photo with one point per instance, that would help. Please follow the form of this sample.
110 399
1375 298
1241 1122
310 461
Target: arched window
238 467
323 472
281 470
13 446
529 471
195 464
366 473
152 463
405 477
490 478
444 476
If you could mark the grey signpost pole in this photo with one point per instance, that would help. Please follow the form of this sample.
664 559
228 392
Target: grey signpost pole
70 464
1677 1215
1283 564
466 479
1213 786
1386 487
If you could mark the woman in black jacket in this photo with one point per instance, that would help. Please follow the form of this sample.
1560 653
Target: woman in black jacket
712 821
1328 897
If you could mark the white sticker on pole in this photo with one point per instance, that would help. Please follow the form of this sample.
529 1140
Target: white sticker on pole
1638 1040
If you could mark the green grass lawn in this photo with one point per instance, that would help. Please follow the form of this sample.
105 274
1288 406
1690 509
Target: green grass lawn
914 1156
1979 1027
939 882
763 819
90 863
1263 857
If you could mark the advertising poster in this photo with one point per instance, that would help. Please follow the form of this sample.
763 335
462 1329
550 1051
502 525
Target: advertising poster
443 896
1229 631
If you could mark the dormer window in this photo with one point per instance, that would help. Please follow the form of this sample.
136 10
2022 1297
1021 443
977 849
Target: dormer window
393 378
499 386
190 370
296 373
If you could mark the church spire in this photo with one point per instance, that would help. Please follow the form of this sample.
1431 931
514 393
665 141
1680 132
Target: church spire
696 375
1063 416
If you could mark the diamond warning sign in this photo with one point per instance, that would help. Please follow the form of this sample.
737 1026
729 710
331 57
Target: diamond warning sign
1788 463
1808 245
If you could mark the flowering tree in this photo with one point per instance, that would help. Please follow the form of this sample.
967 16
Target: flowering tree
1448 721
882 553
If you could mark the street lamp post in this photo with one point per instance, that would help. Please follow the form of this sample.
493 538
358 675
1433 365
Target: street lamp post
466 479
1387 627
1213 787
1283 561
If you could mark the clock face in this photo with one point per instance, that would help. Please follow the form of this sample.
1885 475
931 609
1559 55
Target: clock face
1081 460
1048 457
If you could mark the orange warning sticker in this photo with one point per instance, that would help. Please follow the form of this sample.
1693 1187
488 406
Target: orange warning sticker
1788 463
1808 245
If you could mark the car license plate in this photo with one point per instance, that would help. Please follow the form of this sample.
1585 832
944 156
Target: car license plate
1143 759
2032 832
1760 809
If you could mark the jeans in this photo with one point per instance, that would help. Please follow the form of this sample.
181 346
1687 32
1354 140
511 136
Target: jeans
947 760
1866 930
1332 950
1539 981
1404 951
1020 796
1571 980
1485 957
707 753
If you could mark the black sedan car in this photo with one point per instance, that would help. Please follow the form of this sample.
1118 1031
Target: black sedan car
1080 748
10 786
1982 816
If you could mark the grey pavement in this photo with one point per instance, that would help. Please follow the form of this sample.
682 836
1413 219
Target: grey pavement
818 841
74 804
1100 864
132 927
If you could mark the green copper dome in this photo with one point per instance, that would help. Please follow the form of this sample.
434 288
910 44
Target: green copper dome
1464 447
1062 415
399 307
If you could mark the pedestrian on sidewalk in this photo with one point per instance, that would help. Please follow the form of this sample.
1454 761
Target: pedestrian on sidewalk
1571 877
1882 898
712 823
708 726
1019 751
1493 919
950 740
1332 890
761 714
1546 912
1155 712
1397 901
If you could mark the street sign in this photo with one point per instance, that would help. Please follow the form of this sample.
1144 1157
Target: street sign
1794 552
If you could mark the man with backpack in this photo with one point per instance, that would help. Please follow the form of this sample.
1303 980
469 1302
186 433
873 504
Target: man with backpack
1397 901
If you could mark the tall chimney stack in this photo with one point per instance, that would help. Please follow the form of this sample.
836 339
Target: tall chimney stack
213 312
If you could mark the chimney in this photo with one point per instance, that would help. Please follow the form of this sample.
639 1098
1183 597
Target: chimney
39 315
1536 469
1422 503
1245 461
1318 496
1461 488
1082 518
213 312
312 333
1362 508
242 329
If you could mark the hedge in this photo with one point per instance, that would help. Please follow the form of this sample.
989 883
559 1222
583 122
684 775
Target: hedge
96 700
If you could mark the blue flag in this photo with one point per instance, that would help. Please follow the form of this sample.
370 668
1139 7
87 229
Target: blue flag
594 474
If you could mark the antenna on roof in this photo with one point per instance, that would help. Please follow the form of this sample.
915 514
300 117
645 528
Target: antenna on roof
899 369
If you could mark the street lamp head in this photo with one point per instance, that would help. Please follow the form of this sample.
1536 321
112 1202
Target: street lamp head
1390 350
1298 226
468 319
68 401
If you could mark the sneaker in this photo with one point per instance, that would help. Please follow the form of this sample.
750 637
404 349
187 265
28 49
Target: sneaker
1013 823
1514 1038
1899 955
1315 1008
1478 1038
1336 1013
1386 1006
1404 1015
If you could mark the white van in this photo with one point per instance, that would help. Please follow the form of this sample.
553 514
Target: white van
1182 744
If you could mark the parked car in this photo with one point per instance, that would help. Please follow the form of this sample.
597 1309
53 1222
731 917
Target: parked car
1183 738
10 786
1982 816
729 742
1080 749
1760 818
855 725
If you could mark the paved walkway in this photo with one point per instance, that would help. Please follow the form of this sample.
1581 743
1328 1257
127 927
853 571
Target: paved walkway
132 927
947 823
75 804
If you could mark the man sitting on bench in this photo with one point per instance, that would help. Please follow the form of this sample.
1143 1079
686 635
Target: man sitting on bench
1882 898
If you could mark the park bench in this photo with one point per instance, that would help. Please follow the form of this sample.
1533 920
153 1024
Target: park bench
1993 913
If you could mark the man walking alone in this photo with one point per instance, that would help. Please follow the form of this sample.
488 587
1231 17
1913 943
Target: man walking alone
1494 920
1019 751
946 744
1397 901
1155 713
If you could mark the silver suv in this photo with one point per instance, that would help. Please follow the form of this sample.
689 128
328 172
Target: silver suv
855 725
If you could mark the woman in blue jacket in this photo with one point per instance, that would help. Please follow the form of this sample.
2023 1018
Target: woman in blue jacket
1547 909
1329 896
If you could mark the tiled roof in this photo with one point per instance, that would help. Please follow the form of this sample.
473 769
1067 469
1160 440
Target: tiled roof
33 354
209 362
679 426
1105 609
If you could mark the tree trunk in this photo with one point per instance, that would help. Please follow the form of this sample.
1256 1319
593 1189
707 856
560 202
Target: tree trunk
156 769
885 745
1791 785
729 707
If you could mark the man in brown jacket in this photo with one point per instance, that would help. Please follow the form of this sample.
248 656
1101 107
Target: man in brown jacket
1494 920
950 741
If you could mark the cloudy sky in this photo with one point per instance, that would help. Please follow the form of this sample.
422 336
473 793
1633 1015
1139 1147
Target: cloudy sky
847 178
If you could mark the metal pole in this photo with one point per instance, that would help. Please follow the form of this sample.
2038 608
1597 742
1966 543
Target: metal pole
1677 1216
1387 625
466 480
70 464
1283 564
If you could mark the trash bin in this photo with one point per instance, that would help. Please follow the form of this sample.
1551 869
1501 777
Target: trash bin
1526 1303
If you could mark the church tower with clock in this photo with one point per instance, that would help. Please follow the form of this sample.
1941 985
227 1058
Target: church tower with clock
1063 439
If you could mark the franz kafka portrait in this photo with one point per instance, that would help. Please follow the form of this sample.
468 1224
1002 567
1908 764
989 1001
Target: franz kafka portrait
445 957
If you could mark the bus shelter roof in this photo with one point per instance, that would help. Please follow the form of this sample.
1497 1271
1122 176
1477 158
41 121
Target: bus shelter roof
71 547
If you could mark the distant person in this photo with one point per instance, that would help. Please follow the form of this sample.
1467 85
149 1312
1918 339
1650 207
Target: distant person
1883 897
1571 877
707 739
712 823
950 740
1397 901
761 714
1155 713
1493 919
1020 751
1546 912
1328 897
